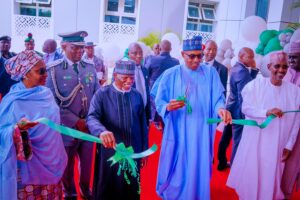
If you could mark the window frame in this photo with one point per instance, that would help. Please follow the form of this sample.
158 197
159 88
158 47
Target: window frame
25 1
45 3
37 7
199 12
120 13
203 14
203 23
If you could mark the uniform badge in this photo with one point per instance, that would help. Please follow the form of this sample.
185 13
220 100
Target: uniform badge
89 77
67 77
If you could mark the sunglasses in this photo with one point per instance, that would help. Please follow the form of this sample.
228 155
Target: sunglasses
42 71
193 56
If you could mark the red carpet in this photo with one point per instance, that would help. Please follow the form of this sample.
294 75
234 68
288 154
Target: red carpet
219 190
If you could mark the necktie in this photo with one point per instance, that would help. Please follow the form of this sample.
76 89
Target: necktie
75 67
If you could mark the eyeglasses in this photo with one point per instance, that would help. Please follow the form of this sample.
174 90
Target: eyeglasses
42 71
193 56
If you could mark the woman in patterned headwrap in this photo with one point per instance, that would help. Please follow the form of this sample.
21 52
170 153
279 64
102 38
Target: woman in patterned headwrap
32 156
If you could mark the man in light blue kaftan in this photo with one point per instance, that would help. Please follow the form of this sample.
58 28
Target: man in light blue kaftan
186 153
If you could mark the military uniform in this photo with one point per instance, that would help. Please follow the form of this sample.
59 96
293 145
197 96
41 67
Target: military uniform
73 92
73 88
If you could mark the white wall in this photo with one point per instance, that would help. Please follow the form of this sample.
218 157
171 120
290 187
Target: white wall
161 16
65 15
281 14
5 17
150 17
75 15
230 14
88 18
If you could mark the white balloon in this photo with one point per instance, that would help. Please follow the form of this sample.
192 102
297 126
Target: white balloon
220 55
286 47
111 52
288 38
229 54
234 60
282 36
259 60
227 63
146 50
282 44
264 67
99 52
225 44
176 52
219 59
252 27
295 36
173 38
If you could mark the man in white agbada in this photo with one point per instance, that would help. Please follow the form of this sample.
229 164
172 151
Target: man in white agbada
259 162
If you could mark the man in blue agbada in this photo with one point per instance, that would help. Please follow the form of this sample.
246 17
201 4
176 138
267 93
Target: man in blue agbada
186 153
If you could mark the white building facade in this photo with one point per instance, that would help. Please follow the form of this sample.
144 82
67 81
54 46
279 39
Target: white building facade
125 21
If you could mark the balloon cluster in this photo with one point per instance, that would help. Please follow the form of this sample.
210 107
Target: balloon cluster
225 53
272 40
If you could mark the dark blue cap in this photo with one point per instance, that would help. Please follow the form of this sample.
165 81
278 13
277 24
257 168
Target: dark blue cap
192 44
5 38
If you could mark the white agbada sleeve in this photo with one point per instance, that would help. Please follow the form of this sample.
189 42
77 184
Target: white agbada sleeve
248 106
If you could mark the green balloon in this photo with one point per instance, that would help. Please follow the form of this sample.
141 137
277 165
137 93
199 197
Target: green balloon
266 35
273 45
260 49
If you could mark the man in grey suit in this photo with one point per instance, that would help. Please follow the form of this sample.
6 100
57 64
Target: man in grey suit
242 73
210 53
156 65
73 83
141 76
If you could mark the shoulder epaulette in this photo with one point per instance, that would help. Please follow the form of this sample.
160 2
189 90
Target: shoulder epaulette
54 63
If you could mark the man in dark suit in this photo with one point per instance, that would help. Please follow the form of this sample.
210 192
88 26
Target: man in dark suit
210 53
156 65
242 73
135 53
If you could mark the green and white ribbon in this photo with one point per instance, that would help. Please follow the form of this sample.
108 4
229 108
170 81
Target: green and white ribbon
249 122
124 156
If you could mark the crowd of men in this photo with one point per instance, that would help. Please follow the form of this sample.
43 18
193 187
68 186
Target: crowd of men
178 98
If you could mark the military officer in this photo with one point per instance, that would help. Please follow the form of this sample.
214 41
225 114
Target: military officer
5 44
5 54
73 82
